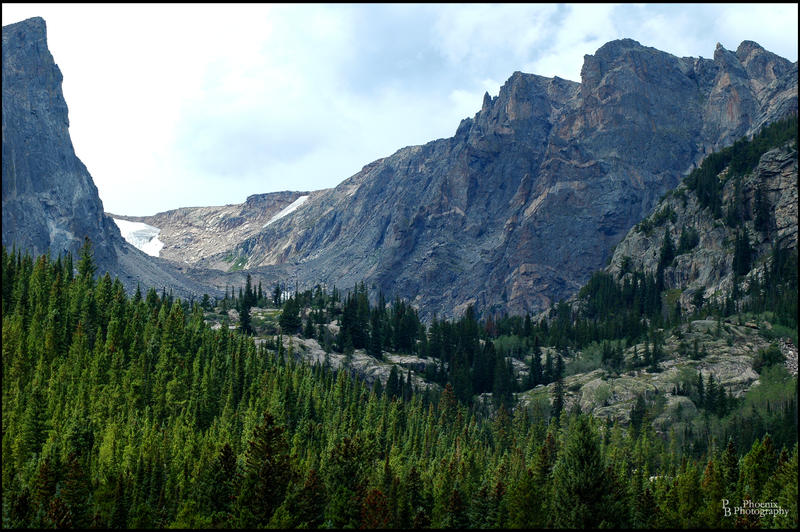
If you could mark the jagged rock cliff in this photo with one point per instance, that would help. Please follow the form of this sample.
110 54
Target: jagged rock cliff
49 200
708 267
528 198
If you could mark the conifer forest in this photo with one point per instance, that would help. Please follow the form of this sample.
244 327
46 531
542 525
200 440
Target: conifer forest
131 412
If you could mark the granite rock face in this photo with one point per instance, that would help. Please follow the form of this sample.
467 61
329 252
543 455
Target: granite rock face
47 192
709 266
528 198
50 202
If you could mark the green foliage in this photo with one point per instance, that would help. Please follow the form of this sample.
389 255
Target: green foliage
267 472
290 317
238 264
583 488
768 357
739 158
132 413
647 225
667 252
688 240
743 253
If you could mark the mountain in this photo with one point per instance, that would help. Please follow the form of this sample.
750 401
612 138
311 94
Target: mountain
50 202
528 198
728 294
760 204
191 234
512 213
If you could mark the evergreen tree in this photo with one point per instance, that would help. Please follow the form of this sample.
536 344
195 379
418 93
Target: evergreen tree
290 320
558 390
86 265
536 376
267 471
638 413
742 254
244 318
582 489
548 369
393 387
667 251
346 481
763 218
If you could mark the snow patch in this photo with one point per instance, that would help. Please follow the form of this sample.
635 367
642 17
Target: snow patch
288 210
141 236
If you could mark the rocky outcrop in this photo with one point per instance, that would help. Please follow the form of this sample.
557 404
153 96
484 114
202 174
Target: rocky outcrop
191 234
729 347
49 199
709 266
513 212
50 202
359 363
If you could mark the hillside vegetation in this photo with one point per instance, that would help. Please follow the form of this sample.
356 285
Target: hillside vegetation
622 408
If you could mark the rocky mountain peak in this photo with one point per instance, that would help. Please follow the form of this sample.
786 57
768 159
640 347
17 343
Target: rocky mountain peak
487 102
761 64
530 195
50 203
726 59
511 214
616 49
40 168
746 48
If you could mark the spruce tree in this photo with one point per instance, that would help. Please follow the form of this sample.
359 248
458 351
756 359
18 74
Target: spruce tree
535 376
86 265
558 390
667 251
267 471
582 490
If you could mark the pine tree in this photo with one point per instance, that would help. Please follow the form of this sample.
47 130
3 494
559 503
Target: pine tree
393 387
667 251
638 413
309 503
548 369
742 253
86 265
223 486
346 482
290 320
729 467
558 390
375 510
267 471
536 376
763 219
582 490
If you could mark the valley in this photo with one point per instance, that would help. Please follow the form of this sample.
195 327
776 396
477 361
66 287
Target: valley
579 311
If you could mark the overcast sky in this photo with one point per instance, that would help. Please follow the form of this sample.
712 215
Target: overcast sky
187 105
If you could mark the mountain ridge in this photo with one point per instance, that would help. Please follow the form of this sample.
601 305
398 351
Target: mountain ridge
527 199
513 212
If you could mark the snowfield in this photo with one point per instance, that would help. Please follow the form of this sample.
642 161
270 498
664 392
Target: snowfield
288 209
141 236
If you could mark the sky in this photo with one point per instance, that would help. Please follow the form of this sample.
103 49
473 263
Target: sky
179 105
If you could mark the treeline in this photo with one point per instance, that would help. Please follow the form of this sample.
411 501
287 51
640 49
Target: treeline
130 412
459 351
740 158
609 309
